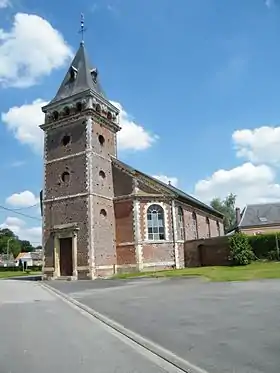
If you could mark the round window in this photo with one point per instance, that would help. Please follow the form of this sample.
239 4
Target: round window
65 177
66 140
101 139
102 174
103 213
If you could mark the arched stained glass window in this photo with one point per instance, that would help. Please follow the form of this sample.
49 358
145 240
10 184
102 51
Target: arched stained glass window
155 220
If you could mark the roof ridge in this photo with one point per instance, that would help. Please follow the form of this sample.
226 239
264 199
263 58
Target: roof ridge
263 203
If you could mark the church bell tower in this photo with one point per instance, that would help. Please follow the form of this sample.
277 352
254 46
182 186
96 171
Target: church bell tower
79 142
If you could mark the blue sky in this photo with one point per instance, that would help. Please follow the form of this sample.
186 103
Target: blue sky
198 84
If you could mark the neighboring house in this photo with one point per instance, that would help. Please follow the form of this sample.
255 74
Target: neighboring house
258 219
99 214
7 260
31 259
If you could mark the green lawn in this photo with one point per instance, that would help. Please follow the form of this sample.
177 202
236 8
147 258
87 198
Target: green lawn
8 274
256 270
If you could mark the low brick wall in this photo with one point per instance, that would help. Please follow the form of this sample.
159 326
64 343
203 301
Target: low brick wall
207 252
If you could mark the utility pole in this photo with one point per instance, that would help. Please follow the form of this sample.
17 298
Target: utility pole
277 246
8 247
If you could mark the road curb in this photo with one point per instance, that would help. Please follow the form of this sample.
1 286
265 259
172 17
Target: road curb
161 352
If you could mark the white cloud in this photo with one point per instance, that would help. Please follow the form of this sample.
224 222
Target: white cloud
166 179
24 122
4 4
17 163
259 145
251 183
19 227
132 136
269 3
23 199
30 50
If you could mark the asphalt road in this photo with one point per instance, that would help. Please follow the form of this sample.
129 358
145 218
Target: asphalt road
42 333
220 327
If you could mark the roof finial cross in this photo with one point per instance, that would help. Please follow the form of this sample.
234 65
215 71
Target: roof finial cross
82 29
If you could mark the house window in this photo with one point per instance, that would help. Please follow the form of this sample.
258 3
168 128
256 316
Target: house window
208 228
155 220
195 228
181 226
218 228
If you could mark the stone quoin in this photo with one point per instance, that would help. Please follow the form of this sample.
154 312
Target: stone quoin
101 216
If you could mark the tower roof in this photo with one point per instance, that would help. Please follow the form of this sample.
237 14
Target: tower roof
80 77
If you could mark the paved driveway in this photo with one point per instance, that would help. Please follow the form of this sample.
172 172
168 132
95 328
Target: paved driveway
221 327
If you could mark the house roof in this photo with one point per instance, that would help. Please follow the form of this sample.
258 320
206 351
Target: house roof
30 255
23 256
36 255
260 214
178 193
80 77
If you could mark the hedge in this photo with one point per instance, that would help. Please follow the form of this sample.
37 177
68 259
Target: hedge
19 269
264 245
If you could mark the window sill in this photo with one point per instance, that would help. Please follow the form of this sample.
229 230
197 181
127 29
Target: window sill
156 241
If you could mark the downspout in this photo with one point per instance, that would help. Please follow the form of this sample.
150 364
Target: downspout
174 229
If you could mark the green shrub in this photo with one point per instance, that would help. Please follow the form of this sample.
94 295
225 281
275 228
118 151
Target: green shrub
240 249
264 245
19 269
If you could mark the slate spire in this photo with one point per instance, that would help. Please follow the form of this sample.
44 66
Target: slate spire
80 77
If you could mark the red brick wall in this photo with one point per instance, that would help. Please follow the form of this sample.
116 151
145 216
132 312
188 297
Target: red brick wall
109 146
202 226
124 221
123 183
126 254
124 232
208 252
191 254
158 252
214 251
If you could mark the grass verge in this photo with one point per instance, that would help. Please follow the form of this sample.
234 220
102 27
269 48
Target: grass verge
7 274
256 270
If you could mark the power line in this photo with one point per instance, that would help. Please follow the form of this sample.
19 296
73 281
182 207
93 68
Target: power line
19 213
25 208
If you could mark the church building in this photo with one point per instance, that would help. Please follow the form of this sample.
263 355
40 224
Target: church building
100 215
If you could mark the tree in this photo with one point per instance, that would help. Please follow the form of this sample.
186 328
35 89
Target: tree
10 243
227 208
26 246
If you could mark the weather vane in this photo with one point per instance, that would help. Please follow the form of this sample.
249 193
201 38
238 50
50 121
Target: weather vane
82 28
